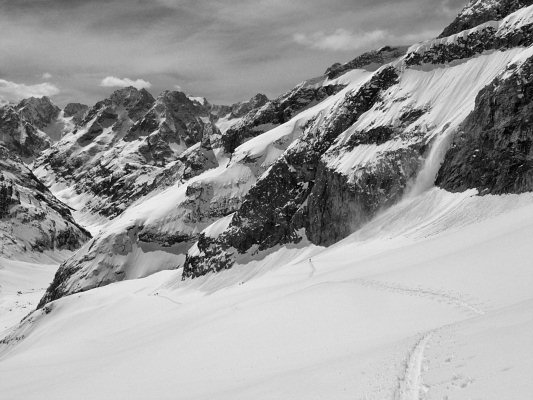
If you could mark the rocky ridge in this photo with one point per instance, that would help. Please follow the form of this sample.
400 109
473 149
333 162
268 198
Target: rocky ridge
21 126
32 125
493 150
370 60
128 145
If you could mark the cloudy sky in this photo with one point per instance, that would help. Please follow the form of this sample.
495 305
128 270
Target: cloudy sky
225 50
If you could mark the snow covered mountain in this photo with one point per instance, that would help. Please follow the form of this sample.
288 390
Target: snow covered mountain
364 235
32 220
315 164
157 206
34 124
127 146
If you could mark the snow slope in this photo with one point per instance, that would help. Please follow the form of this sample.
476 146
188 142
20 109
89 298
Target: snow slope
430 300
23 283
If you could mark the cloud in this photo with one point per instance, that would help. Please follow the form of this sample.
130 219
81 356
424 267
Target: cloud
224 50
340 40
113 81
47 75
177 87
11 91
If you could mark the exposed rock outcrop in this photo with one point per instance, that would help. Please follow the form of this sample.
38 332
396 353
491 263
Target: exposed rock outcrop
511 32
31 218
76 111
493 151
240 109
38 111
371 60
477 12
275 112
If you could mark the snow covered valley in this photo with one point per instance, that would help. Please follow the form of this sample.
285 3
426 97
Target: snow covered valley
365 235
431 300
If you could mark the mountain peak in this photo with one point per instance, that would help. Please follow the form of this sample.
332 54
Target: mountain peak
39 111
477 12
130 95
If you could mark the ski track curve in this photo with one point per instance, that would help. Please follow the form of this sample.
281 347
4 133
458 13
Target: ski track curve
431 294
410 383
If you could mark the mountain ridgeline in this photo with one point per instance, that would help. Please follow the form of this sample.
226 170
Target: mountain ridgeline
174 181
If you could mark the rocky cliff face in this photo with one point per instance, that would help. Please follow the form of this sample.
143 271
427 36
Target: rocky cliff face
76 111
493 150
40 112
19 136
31 218
240 109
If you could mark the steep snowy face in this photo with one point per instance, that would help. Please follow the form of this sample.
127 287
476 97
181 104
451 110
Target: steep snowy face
378 151
32 220
127 146
477 12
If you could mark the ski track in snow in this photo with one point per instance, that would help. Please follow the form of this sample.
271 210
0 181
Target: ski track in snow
161 296
434 295
410 385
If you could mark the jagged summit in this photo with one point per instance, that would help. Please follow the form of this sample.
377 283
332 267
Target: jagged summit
133 101
39 111
76 111
19 131
477 12
126 144
242 108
